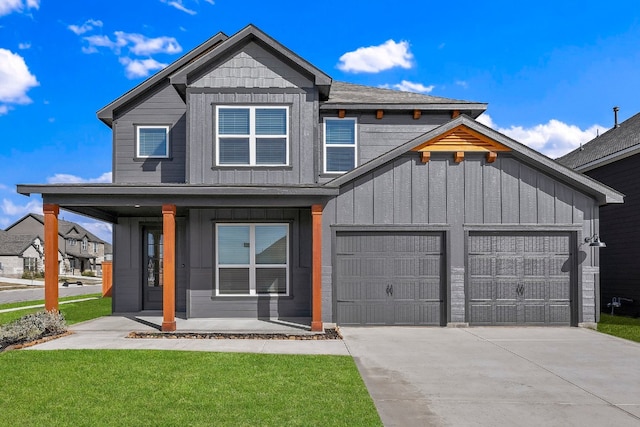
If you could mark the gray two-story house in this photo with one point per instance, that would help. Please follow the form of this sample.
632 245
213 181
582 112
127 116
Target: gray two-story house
247 183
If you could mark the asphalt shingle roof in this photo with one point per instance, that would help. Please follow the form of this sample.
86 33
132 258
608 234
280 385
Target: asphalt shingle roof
613 141
14 244
348 93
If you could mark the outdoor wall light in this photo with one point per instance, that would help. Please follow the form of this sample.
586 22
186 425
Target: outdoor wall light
595 241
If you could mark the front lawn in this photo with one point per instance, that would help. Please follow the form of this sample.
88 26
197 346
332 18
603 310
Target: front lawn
73 312
620 326
141 387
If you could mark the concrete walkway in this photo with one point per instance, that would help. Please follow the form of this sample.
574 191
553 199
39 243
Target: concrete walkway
498 376
110 333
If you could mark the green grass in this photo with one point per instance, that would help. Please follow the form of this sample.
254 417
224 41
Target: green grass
620 326
73 312
174 388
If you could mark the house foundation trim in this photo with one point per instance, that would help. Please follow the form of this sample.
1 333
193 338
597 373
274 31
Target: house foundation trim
316 268
51 212
169 268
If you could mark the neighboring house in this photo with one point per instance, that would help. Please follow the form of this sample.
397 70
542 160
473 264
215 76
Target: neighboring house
81 250
19 254
613 158
247 183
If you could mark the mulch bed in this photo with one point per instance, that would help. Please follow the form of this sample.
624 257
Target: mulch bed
329 334
20 345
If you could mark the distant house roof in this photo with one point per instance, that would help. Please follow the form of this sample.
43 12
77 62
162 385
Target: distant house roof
352 96
615 144
14 244
66 229
601 192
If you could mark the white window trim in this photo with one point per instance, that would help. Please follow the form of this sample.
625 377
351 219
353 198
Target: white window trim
325 145
252 261
165 127
252 135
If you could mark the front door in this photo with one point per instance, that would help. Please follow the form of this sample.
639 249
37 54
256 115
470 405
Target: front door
152 276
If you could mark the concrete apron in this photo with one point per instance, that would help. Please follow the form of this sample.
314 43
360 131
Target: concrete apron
498 376
111 332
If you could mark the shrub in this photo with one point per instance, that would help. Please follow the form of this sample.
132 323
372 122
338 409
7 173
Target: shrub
88 273
32 327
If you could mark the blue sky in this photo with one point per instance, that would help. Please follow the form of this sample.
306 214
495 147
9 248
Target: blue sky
550 71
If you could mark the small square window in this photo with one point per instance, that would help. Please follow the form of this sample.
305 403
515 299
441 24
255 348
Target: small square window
339 145
152 141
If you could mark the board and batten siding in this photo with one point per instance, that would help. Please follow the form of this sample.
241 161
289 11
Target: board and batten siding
252 76
619 266
460 197
162 107
201 299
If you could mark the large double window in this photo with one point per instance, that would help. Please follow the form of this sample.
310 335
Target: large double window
252 259
252 136
152 141
339 145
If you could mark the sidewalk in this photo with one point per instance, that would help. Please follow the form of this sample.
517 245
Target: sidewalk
110 333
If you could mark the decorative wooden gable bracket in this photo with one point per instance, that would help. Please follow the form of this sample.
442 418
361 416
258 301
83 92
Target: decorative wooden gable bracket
455 113
379 114
416 114
461 140
342 113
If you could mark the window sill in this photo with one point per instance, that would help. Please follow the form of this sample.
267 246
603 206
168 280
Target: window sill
249 167
146 159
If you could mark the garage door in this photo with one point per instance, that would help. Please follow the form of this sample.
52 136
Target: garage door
388 278
519 279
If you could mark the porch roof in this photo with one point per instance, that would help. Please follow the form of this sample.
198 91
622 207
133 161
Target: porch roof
110 201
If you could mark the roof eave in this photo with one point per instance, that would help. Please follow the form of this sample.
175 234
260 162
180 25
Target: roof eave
475 109
105 114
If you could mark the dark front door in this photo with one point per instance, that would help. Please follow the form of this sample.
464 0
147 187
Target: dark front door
152 279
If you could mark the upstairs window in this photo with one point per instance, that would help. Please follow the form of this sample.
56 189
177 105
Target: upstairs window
72 242
252 136
84 244
152 142
339 145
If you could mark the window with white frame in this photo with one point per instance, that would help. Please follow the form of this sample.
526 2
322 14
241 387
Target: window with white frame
252 259
95 247
152 141
252 136
339 145
72 242
84 244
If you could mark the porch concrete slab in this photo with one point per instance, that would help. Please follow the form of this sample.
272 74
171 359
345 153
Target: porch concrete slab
498 376
111 333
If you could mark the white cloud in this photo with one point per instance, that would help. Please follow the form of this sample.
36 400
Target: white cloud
10 208
462 83
211 2
88 25
136 68
178 4
142 45
407 86
63 178
15 80
10 6
102 41
373 59
101 229
553 138
24 46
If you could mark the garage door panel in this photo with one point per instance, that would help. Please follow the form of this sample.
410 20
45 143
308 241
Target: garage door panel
398 277
506 313
482 289
519 278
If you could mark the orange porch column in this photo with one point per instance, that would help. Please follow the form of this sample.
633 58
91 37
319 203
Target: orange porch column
316 268
107 278
169 268
51 212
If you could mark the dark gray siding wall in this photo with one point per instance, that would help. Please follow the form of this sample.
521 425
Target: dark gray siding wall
378 136
202 301
619 266
128 265
162 107
252 76
472 195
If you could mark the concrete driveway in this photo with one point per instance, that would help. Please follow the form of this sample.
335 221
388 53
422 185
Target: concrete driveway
498 376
